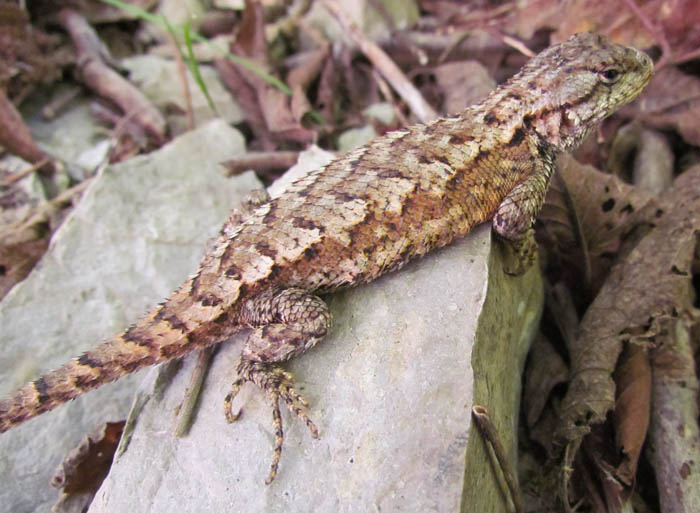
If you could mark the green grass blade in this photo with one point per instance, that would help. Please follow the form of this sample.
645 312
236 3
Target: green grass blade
193 66
241 61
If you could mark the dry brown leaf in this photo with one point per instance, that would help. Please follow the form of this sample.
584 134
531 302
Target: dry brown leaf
680 19
463 84
527 18
82 471
673 21
328 90
259 99
247 100
17 260
672 100
643 292
301 76
585 214
308 68
521 19
545 370
250 36
670 24
524 19
632 407
612 19
597 461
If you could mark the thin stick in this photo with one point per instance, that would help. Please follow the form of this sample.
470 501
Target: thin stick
386 91
189 401
58 103
518 45
94 73
398 80
25 172
488 431
260 161
26 229
14 132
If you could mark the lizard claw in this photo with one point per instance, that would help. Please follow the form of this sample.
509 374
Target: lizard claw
278 384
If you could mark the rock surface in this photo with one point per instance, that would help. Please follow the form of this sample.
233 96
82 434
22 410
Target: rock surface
139 230
391 390
161 81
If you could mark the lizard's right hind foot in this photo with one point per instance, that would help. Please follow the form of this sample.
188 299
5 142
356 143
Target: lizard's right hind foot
283 323
277 384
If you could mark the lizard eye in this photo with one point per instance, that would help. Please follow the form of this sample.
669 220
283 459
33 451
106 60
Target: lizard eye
610 75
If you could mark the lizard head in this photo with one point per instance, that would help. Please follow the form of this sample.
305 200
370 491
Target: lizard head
576 84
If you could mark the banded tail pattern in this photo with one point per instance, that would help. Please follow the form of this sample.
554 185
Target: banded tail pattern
169 331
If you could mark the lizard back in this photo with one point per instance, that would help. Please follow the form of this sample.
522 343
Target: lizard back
374 209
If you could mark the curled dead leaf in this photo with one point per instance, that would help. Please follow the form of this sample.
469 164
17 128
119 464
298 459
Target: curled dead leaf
632 407
626 310
82 471
585 215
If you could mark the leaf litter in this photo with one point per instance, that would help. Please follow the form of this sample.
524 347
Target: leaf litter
617 256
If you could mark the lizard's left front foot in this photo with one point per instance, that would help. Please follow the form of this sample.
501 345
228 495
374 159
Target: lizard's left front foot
277 384
515 217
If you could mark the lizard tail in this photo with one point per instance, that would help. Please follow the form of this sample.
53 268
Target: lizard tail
171 330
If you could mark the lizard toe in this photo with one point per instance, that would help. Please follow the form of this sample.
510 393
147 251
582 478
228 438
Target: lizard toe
277 384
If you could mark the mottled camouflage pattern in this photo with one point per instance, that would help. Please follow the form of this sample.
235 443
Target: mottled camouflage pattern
359 217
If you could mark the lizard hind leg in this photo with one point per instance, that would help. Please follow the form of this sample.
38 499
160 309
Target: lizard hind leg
285 323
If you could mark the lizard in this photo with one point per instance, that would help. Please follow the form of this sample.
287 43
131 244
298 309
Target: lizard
364 214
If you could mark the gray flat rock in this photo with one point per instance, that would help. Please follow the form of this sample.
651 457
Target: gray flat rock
161 81
391 390
139 230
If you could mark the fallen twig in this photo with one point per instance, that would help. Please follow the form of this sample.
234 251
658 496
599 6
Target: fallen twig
189 401
26 229
25 172
15 135
59 102
488 431
106 82
398 80
261 162
674 431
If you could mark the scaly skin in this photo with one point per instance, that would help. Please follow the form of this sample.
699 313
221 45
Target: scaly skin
359 217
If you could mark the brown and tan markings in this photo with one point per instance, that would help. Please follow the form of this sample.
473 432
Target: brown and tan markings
360 216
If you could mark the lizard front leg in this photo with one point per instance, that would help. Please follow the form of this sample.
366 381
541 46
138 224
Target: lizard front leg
284 323
516 215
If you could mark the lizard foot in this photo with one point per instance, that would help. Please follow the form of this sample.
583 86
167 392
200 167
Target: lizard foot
277 384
